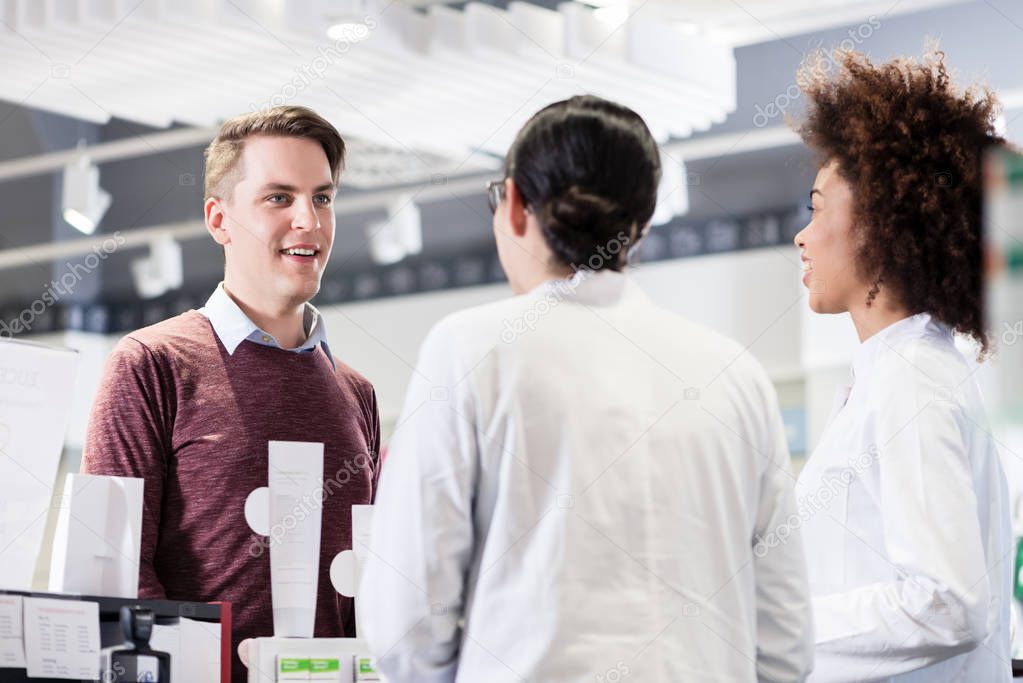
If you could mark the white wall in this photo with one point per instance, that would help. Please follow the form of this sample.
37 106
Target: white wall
752 296
381 338
828 343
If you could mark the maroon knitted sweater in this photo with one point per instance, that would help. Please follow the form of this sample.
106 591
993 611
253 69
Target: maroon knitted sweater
176 410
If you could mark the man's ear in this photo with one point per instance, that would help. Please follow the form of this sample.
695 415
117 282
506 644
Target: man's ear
517 208
215 221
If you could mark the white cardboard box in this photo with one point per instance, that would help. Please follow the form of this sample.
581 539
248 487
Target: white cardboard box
97 543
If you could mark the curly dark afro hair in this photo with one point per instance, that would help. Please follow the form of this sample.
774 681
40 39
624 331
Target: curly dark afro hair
910 144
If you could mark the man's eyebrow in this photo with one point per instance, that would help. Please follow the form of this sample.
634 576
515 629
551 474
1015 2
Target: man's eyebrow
815 191
284 187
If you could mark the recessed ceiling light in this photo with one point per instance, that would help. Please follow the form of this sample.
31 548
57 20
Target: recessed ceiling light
609 11
348 31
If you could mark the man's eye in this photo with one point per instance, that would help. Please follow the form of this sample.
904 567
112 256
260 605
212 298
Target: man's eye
322 199
277 198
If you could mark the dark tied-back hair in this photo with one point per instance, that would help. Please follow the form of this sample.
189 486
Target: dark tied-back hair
910 144
588 169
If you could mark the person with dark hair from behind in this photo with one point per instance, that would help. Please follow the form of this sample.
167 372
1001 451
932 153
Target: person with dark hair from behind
189 404
575 485
909 545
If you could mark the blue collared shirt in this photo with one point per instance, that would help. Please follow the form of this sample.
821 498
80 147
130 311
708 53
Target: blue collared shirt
233 327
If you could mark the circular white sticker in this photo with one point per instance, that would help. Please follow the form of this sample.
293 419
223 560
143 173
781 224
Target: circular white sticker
342 573
257 511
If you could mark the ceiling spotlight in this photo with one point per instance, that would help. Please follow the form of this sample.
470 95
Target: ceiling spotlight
161 271
614 12
673 192
349 31
348 21
84 202
400 235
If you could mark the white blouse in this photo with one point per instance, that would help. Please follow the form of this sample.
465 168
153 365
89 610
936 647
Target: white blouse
904 513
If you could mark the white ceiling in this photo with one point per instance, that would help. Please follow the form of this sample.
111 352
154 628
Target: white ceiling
445 90
743 22
427 93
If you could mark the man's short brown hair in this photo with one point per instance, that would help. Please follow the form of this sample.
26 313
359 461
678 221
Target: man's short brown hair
222 154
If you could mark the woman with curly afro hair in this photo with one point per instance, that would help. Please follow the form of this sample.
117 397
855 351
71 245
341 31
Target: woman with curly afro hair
904 502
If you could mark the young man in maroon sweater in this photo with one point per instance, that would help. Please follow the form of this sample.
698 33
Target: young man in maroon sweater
189 404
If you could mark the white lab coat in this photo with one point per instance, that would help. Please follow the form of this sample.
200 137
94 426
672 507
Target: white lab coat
906 520
572 493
